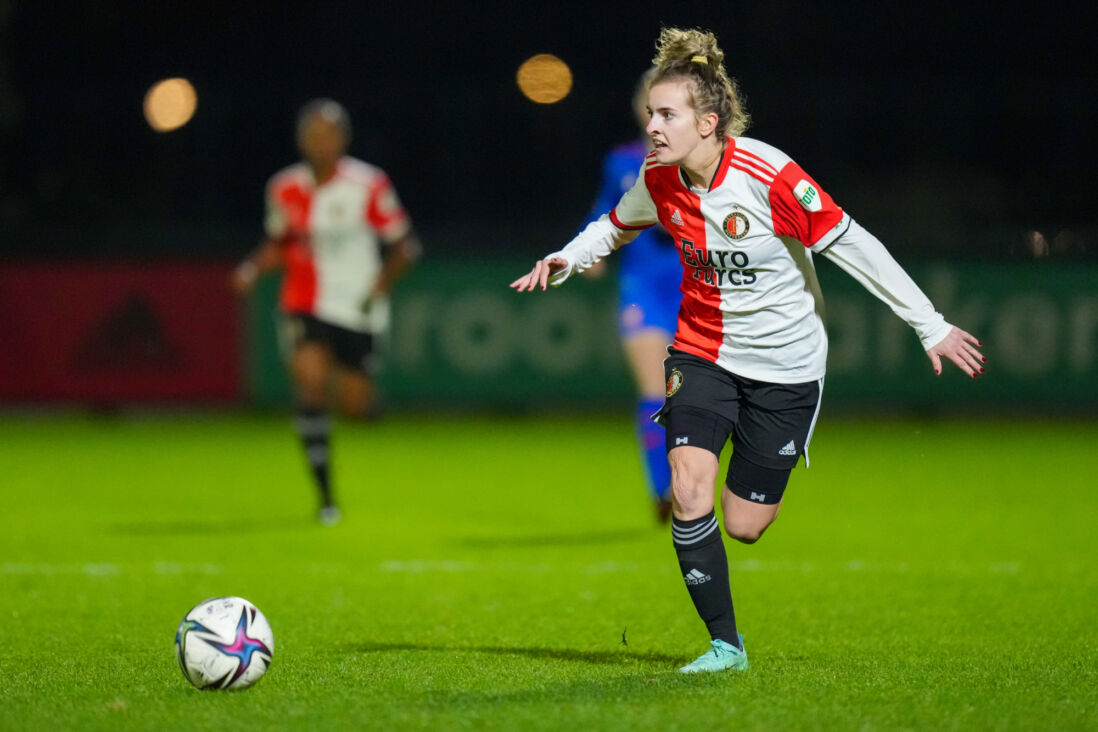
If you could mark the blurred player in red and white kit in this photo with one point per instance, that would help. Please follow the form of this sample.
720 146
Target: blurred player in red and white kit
749 353
337 228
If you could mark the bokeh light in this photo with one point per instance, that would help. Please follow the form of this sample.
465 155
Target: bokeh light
170 104
544 78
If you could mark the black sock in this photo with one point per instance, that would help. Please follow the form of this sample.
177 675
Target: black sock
704 566
315 427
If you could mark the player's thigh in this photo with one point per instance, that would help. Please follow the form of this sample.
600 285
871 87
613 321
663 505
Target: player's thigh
645 351
357 359
310 364
306 345
774 429
776 422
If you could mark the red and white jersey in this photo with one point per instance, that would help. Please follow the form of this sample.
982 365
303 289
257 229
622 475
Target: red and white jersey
751 302
331 236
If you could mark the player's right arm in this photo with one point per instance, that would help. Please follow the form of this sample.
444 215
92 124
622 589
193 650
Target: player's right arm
268 255
635 212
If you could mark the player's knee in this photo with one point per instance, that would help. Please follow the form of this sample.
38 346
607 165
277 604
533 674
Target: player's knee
690 495
692 479
746 531
311 395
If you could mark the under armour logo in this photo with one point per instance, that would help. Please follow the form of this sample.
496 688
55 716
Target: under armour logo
682 440
760 497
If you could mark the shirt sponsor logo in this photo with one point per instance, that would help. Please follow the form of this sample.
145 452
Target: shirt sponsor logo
736 225
718 268
807 195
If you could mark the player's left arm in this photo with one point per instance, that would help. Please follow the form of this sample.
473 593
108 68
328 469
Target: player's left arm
388 218
402 254
866 259
803 210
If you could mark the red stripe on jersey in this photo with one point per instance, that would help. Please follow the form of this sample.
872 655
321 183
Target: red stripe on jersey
745 163
751 172
700 329
628 227
757 161
701 324
300 283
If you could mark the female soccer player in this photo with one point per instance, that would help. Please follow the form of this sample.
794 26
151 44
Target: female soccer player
648 304
749 352
328 218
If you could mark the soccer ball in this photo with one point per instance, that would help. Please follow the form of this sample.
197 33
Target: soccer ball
224 643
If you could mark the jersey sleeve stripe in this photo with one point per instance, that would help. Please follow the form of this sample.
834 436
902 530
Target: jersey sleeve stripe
763 170
756 160
757 175
627 227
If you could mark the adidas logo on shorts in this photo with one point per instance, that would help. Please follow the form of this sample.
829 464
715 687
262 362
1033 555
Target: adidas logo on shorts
789 449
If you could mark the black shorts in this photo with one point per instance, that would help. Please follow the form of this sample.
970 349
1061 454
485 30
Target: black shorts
770 424
351 349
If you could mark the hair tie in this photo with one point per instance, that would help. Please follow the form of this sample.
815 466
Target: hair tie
700 60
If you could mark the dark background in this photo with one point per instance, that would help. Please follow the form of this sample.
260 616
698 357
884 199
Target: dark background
946 130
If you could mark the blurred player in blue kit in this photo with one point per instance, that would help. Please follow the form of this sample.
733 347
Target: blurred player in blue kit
648 303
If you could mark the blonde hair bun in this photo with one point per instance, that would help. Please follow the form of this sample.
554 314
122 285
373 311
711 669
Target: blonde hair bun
694 55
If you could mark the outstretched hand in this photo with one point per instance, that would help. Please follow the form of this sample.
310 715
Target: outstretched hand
960 348
243 278
539 275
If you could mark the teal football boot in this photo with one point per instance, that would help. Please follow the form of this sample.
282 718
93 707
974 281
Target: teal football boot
720 657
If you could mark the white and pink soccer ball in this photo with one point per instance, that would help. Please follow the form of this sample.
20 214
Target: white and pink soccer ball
224 643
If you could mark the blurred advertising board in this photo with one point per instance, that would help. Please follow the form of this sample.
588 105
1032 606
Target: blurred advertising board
462 339
113 333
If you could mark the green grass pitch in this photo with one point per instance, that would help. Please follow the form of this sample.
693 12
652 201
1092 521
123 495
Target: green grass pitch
922 575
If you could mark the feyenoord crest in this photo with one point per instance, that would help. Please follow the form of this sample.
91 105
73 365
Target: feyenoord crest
736 225
674 381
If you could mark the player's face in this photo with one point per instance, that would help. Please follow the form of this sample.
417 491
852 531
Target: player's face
673 126
321 142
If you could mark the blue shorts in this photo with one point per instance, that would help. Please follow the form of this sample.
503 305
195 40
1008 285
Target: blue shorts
651 302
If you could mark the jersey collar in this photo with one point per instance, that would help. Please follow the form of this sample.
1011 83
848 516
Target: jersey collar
336 171
721 171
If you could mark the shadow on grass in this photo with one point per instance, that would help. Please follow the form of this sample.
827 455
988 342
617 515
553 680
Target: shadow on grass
208 527
621 658
615 681
551 540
